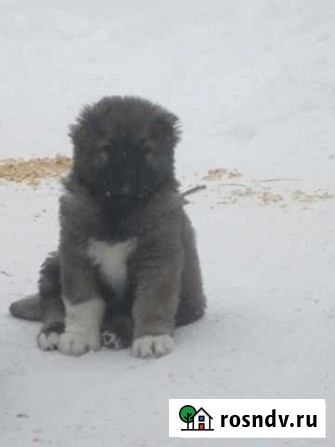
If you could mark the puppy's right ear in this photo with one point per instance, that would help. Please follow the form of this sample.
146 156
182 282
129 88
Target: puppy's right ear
83 124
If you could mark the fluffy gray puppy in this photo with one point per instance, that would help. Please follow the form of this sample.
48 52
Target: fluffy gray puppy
127 269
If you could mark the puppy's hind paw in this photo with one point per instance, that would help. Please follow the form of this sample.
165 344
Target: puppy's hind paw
150 346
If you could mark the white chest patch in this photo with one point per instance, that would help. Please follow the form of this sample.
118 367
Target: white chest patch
112 260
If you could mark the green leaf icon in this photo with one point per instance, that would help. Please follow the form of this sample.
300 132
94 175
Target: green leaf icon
186 414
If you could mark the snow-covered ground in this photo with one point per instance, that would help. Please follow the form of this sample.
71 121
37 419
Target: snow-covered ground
254 85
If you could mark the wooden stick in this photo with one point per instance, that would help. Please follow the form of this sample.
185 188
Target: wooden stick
193 190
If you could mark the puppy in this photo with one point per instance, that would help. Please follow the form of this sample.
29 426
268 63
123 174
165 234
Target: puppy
127 266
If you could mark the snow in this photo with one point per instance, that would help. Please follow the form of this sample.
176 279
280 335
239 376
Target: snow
253 83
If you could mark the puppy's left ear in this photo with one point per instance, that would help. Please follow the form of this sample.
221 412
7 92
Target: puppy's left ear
166 127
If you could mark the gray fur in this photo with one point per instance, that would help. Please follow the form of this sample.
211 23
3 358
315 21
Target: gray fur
122 187
28 308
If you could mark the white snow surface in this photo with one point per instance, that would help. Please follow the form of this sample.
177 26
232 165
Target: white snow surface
254 86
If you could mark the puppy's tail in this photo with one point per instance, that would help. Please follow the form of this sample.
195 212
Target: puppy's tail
28 308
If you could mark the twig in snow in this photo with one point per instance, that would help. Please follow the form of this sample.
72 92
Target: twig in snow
194 190
281 180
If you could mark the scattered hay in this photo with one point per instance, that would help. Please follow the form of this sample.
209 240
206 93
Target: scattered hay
315 196
34 170
264 193
269 197
221 174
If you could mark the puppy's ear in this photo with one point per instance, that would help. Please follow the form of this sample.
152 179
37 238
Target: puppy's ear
82 125
166 127
73 130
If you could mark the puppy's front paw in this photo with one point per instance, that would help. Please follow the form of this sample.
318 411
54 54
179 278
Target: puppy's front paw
77 343
48 341
150 346
48 338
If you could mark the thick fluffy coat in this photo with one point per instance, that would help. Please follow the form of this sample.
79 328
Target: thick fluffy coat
127 265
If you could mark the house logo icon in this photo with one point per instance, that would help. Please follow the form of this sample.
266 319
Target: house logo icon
195 420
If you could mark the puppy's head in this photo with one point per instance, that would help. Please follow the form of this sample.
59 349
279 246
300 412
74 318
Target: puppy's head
124 147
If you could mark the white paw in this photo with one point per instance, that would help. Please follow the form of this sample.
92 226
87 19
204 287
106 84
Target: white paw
77 343
150 346
48 342
111 340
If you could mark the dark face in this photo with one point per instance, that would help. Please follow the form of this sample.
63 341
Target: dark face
123 148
